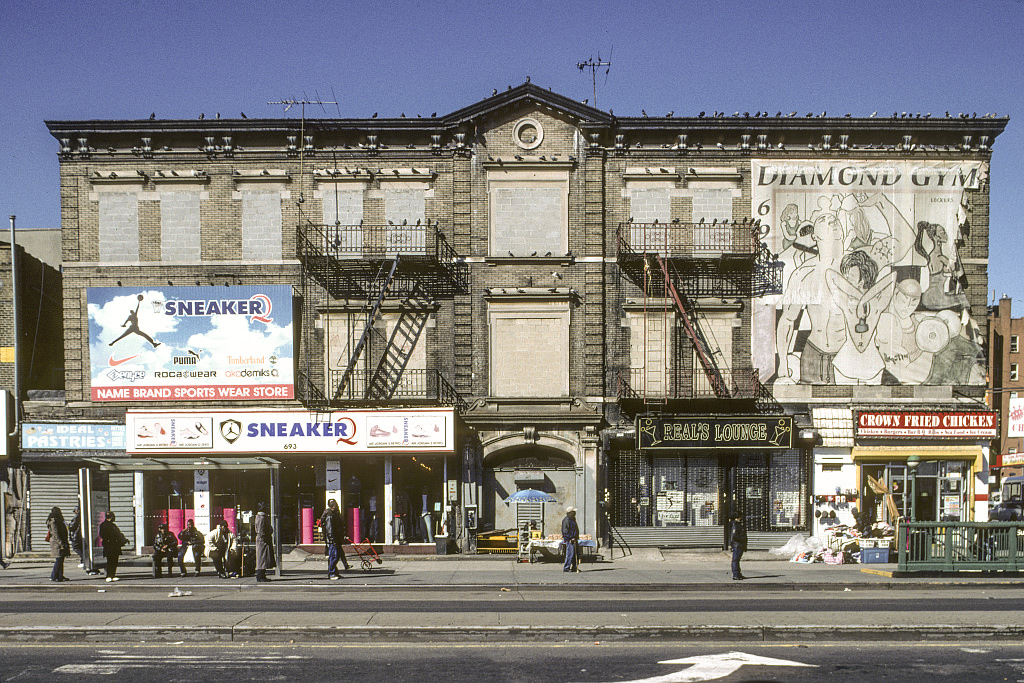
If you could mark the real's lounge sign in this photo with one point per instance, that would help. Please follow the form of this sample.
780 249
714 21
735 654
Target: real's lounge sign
943 425
678 432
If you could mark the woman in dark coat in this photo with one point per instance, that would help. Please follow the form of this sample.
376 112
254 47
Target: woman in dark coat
57 533
264 545
113 541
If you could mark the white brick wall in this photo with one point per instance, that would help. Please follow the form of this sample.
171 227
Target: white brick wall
261 225
648 205
179 226
529 349
527 220
712 204
343 206
119 226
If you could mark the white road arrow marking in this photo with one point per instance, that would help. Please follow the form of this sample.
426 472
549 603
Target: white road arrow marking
710 667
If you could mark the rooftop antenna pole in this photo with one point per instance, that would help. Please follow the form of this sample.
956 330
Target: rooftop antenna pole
594 66
288 104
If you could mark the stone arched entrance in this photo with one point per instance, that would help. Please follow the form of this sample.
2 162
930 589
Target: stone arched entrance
550 468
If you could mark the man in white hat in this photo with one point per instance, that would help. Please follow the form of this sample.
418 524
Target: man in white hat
570 538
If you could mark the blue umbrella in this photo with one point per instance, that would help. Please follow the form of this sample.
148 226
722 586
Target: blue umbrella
530 496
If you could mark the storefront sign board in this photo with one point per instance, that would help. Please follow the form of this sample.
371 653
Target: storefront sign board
191 343
681 432
939 425
283 432
45 436
1015 418
1011 459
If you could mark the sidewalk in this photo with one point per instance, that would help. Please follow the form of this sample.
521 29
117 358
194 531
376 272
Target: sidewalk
644 569
496 599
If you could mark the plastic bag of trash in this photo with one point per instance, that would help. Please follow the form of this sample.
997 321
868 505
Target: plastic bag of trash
796 545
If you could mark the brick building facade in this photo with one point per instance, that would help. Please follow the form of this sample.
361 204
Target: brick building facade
592 305
1006 381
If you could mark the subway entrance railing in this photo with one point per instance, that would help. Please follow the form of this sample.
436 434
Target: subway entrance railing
960 546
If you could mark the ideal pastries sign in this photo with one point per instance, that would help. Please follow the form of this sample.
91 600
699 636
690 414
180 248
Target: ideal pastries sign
714 432
975 424
191 343
79 436
283 432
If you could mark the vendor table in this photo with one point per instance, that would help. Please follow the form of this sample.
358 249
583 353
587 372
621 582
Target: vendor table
553 548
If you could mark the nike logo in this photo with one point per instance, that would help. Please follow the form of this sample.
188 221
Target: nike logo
115 363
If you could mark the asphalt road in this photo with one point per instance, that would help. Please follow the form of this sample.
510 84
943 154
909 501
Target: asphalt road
387 662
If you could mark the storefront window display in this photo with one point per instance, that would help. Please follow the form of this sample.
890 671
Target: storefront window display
940 491
696 490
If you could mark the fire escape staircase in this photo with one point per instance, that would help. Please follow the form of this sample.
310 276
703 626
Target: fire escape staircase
371 316
412 319
739 265
403 268
705 351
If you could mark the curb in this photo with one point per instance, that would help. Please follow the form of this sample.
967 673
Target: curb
317 585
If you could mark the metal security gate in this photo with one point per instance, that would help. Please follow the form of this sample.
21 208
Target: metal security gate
684 500
122 493
48 489
673 501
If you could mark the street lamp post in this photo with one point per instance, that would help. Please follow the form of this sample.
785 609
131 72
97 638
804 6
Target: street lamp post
912 462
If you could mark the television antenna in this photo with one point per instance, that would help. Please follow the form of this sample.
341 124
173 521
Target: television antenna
288 104
594 66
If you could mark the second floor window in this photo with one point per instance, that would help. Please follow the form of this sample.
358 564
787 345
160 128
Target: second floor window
1013 372
1014 343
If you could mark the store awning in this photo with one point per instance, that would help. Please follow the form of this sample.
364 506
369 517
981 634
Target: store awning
887 453
149 464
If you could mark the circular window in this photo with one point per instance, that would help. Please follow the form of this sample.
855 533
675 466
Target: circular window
528 134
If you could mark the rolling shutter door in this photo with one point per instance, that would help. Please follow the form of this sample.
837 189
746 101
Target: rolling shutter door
47 489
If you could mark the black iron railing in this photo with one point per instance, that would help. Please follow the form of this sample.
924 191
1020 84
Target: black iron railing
662 383
690 240
414 385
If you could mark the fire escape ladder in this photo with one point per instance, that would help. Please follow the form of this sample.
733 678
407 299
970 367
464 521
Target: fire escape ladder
411 321
371 316
705 353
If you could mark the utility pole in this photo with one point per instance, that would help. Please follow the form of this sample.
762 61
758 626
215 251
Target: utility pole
17 331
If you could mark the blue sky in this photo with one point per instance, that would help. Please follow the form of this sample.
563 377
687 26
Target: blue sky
124 59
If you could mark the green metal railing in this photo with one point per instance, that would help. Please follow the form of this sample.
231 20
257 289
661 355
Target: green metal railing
960 546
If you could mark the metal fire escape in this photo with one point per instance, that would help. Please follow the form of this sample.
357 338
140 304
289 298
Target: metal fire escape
685 261
366 270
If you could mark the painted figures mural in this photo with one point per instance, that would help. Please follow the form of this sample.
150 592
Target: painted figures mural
873 288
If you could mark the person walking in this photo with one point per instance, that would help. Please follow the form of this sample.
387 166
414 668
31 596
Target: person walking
264 545
190 537
165 547
113 541
570 539
221 543
332 523
57 535
75 537
738 543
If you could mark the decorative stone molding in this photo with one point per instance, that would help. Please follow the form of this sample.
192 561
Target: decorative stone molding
175 176
528 133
